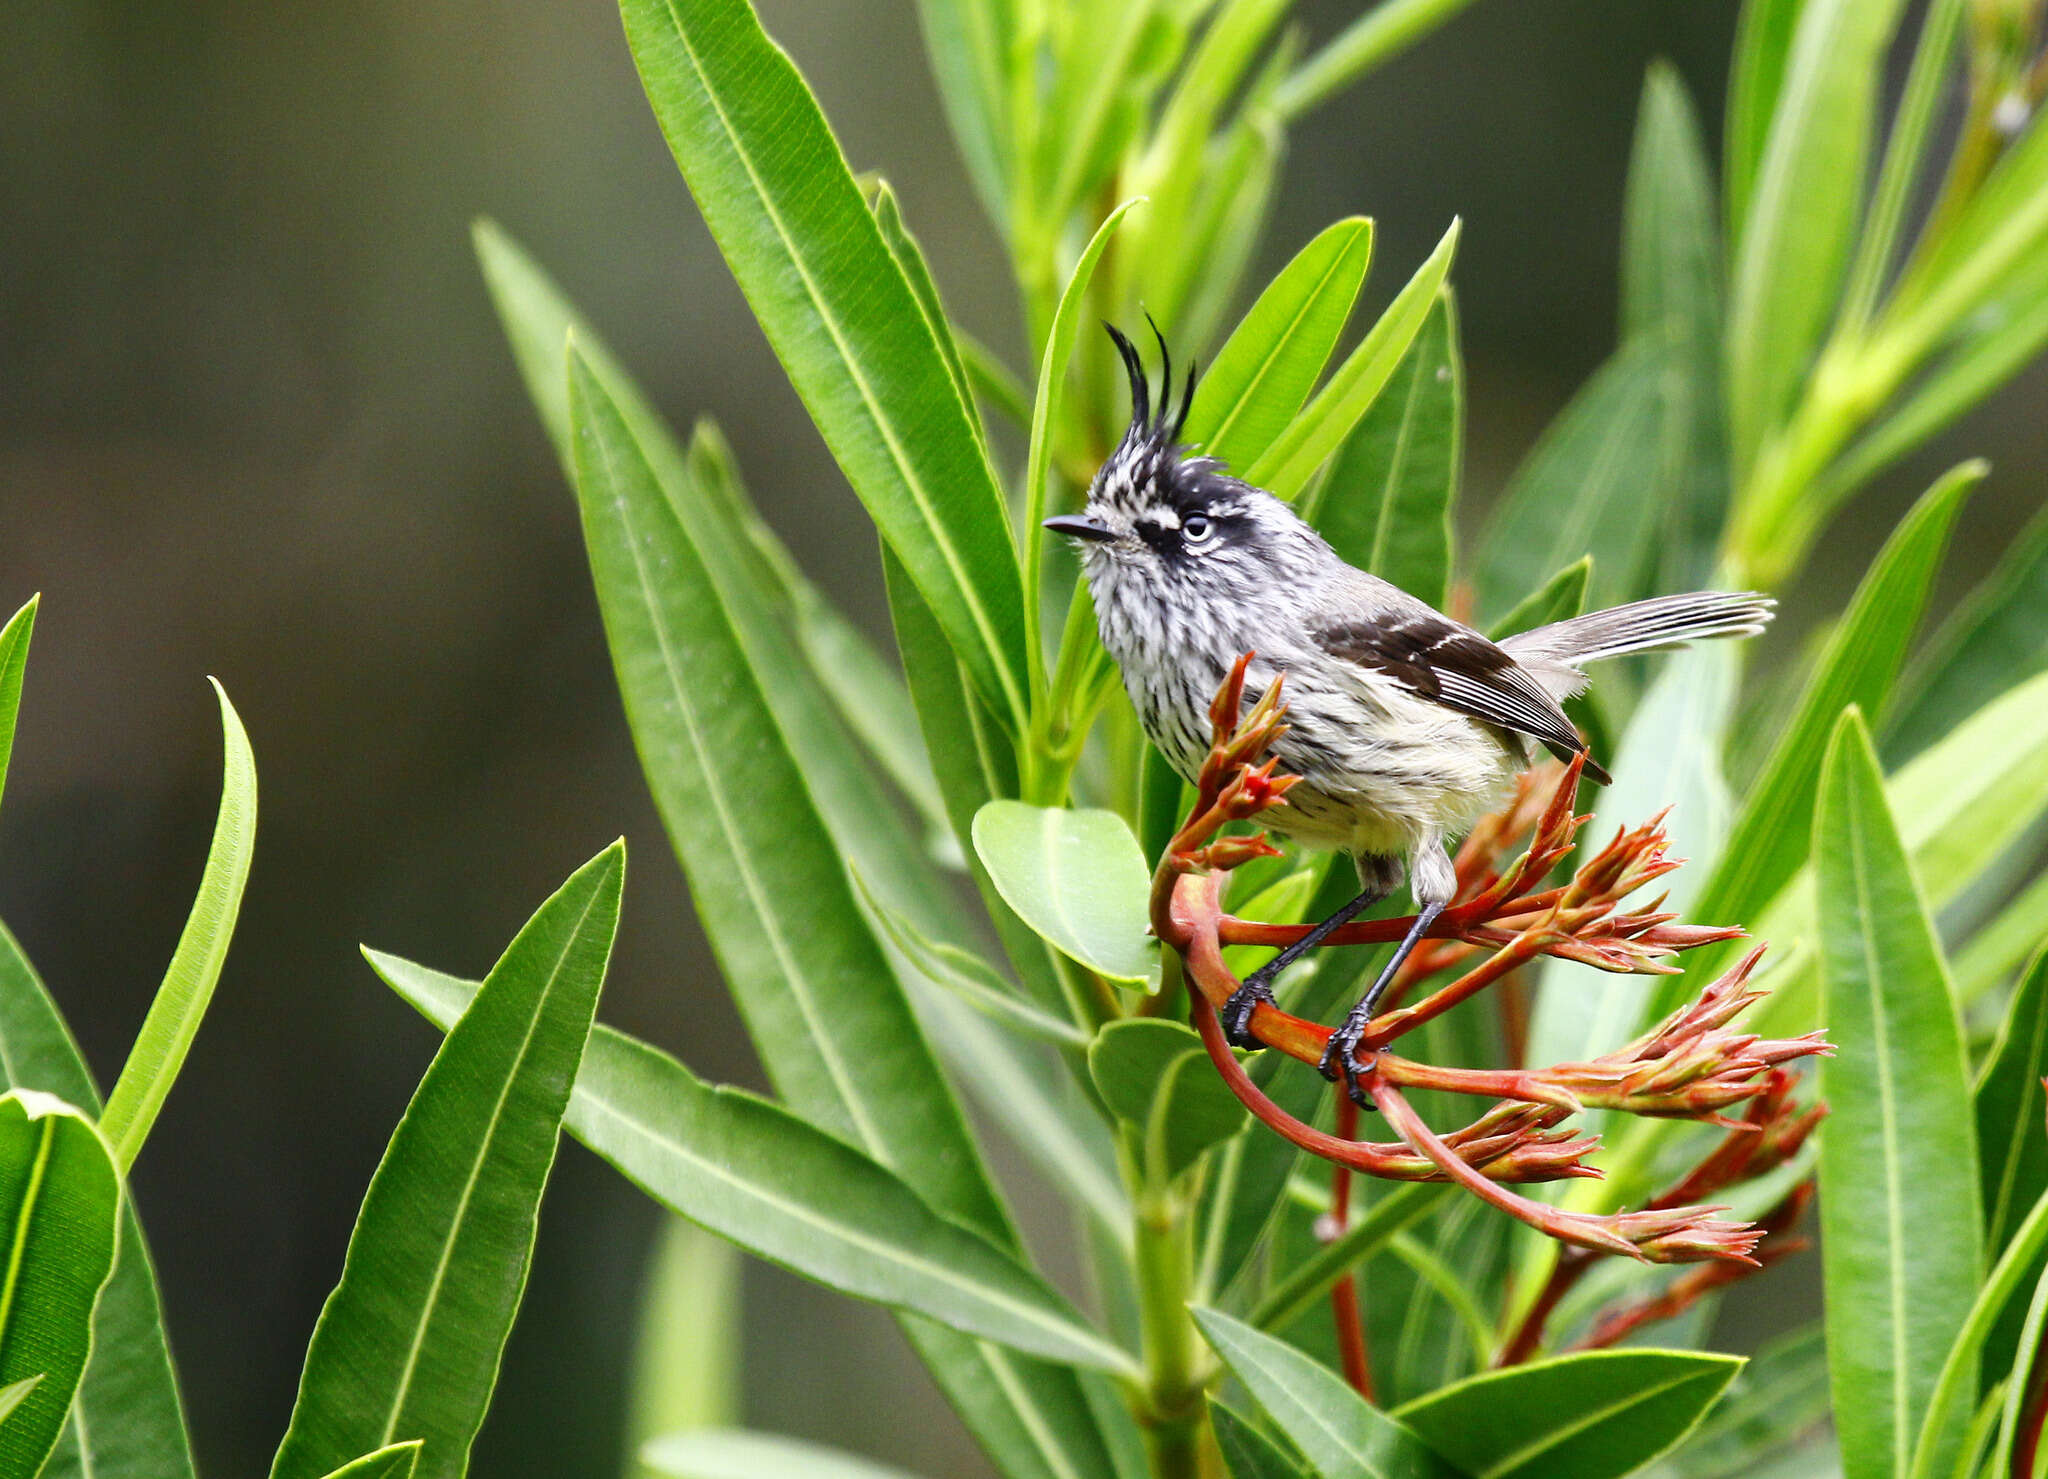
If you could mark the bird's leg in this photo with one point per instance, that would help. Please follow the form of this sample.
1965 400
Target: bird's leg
1436 882
1236 1015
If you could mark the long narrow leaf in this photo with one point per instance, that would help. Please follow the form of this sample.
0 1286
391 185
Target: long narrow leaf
409 1342
1671 295
2009 1102
1309 441
1779 1397
1249 1453
686 1359
1045 426
1769 838
704 485
1763 39
778 197
752 1172
60 1206
734 1453
1994 639
1273 358
1801 217
394 1461
126 1421
180 1002
2018 1266
1387 503
1589 1415
835 1033
14 639
1342 1435
1581 489
1901 1231
969 42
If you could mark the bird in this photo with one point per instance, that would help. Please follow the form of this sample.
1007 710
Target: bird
1404 725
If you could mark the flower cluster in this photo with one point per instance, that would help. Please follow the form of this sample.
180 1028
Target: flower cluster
1696 1065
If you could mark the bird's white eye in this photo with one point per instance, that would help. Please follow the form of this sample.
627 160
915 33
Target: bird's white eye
1196 528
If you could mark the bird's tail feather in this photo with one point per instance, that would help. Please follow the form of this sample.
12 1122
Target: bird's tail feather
1641 626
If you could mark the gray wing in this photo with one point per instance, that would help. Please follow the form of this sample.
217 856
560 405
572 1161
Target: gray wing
1450 664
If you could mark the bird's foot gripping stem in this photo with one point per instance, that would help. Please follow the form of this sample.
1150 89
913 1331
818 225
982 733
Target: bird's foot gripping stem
1236 1015
1341 1063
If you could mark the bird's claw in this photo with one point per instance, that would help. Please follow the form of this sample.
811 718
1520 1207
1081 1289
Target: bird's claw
1236 1015
1341 1063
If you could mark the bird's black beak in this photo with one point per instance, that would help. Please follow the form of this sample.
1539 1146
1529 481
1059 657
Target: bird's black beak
1081 526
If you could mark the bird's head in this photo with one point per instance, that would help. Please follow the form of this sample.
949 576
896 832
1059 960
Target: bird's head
1155 509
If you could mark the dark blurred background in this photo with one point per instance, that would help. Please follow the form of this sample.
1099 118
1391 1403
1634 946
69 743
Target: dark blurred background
257 421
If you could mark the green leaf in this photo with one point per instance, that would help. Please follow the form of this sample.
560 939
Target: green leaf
1801 216
785 210
2009 1108
395 1461
909 259
1768 841
733 1453
833 1028
180 1002
686 1360
1557 599
2012 1152
1777 1398
1671 295
14 638
1309 440
15 1393
1994 639
1763 38
2021 1380
1273 358
1129 1058
847 674
1990 346
1077 878
1670 756
60 1206
1901 1232
1374 38
704 485
971 979
1590 1415
2003 944
1034 1419
1386 505
1585 488
968 42
1247 1187
1292 1295
1157 1075
751 1171
1045 425
1962 805
1670 277
410 1339
1949 1404
1342 1435
1249 1453
126 1421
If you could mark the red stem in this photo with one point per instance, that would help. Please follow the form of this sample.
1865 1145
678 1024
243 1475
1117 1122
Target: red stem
1571 1265
1344 1293
2028 1443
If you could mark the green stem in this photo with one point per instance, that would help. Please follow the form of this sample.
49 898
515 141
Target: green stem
1378 36
1172 1410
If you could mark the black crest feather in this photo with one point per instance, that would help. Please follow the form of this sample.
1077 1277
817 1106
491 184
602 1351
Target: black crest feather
1159 431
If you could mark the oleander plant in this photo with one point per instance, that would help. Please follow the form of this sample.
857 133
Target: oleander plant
1608 1088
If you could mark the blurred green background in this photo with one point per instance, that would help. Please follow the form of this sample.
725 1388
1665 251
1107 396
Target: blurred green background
258 421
